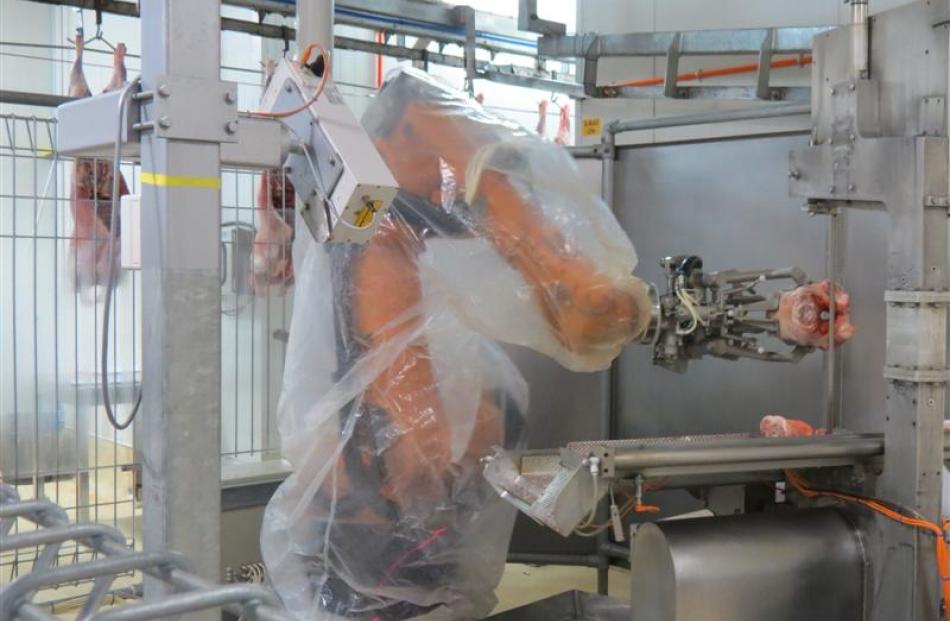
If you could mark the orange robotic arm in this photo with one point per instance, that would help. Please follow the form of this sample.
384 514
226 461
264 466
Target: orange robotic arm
578 274
426 130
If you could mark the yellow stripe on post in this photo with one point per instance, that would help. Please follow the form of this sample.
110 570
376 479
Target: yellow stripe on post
181 181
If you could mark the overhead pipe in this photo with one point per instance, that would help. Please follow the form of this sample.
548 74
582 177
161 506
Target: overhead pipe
380 38
750 451
722 116
718 72
315 23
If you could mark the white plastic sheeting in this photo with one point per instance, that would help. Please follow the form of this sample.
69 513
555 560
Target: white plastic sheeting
394 389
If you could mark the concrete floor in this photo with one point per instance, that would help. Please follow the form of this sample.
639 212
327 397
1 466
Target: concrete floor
523 584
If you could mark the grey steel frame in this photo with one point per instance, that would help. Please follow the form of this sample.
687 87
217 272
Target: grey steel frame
187 592
181 299
459 25
763 43
867 152
863 156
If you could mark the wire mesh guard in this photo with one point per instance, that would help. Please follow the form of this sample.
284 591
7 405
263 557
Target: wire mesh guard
186 592
55 441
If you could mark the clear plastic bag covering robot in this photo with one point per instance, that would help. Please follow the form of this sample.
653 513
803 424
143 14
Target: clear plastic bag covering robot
395 388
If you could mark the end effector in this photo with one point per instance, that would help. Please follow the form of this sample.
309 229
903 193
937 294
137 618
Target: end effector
724 314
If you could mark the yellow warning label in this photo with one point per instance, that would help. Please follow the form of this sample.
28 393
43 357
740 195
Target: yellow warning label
179 181
592 126
366 213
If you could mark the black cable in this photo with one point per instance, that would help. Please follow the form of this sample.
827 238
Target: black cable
113 275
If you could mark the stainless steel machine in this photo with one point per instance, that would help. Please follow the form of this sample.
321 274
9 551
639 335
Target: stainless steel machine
878 142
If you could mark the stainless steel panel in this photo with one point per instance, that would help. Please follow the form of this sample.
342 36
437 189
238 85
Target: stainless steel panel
906 50
787 566
728 202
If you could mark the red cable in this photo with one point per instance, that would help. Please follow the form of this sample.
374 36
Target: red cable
422 545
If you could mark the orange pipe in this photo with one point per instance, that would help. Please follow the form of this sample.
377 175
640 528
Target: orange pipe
701 74
380 38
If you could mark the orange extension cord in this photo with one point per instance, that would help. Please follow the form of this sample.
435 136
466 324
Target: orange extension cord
943 554
316 94
799 484
702 74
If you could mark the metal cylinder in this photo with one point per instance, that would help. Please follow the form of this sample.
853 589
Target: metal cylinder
859 38
610 375
702 118
636 459
789 566
315 23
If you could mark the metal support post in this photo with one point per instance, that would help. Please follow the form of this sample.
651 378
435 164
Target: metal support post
763 76
837 222
466 17
917 375
865 154
529 21
672 67
905 584
180 425
315 23
589 76
609 415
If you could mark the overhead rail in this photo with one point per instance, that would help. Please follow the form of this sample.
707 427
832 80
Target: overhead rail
443 24
765 43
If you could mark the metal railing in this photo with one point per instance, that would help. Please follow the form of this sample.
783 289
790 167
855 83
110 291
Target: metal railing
52 529
52 443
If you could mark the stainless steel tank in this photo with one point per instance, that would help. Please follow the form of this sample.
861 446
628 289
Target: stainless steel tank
788 566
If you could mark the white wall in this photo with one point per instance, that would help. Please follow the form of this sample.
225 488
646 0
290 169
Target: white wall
611 16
